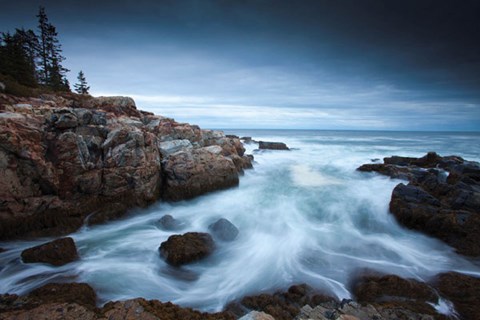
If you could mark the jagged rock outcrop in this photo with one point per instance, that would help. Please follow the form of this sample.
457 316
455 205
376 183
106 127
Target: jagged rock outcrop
63 158
441 199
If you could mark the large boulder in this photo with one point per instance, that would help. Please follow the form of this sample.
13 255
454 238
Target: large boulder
192 173
186 248
57 252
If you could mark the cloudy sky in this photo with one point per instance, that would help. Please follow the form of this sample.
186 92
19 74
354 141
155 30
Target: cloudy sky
310 64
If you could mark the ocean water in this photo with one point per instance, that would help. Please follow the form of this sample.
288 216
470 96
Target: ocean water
305 216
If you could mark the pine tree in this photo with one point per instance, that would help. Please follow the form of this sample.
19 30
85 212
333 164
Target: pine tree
51 71
17 56
81 87
43 45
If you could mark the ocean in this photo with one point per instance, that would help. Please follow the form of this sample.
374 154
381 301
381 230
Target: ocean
304 216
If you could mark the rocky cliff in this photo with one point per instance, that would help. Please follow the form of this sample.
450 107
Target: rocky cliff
66 158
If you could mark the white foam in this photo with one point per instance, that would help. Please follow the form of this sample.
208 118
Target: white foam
304 176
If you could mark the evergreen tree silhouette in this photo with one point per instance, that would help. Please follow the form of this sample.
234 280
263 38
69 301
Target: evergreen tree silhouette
81 87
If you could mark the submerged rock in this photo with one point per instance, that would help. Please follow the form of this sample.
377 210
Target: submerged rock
272 145
186 248
224 230
167 222
57 252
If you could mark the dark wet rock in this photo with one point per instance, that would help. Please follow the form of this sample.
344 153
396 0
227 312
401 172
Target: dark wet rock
57 252
272 145
186 248
154 309
167 222
392 288
224 230
448 217
80 293
442 198
396 298
52 301
430 160
281 305
462 290
77 301
247 139
392 171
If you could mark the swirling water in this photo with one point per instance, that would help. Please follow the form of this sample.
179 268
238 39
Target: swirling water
304 215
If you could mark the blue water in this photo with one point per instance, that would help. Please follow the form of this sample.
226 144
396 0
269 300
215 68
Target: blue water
304 215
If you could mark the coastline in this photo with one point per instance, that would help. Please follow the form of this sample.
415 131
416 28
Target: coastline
228 147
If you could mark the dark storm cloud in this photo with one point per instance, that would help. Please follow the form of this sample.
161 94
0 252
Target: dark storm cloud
354 64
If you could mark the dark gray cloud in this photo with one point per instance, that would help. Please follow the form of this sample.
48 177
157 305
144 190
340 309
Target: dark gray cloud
341 64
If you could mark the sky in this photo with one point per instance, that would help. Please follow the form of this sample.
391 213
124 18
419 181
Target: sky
273 64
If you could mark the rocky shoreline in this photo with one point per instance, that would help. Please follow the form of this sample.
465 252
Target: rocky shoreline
76 159
379 297
65 158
